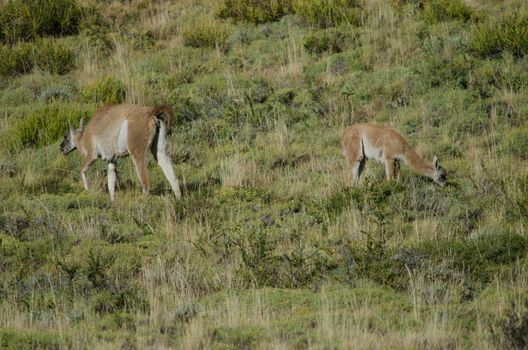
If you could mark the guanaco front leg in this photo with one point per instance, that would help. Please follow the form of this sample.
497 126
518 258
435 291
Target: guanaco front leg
389 168
87 163
111 180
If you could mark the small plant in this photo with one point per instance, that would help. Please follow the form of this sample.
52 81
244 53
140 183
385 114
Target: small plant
205 32
507 35
254 11
328 13
446 10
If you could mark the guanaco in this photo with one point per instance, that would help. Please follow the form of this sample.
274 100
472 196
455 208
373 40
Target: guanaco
367 141
119 130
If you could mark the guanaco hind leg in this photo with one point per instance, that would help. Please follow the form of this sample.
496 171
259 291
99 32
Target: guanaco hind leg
87 163
159 150
140 163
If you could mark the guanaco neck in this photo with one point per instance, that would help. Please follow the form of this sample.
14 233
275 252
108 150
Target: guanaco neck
413 160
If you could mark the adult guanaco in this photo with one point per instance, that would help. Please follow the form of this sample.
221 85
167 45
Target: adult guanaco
119 130
367 141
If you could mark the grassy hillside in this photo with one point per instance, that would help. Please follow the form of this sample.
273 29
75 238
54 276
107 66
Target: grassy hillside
270 246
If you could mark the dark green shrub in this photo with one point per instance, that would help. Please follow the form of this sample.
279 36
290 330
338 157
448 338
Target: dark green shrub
53 56
332 40
506 35
516 143
327 13
29 19
104 91
45 124
48 55
446 10
254 11
205 32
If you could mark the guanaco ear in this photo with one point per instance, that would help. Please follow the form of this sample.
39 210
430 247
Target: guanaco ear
435 163
69 125
81 125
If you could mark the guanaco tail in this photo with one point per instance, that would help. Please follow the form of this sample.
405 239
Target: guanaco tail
120 130
367 141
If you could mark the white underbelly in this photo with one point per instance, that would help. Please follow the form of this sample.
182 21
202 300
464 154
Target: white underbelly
373 152
122 148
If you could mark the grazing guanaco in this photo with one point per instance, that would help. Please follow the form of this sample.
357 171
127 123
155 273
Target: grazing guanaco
386 145
116 131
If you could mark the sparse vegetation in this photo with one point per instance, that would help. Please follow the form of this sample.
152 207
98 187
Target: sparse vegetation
270 246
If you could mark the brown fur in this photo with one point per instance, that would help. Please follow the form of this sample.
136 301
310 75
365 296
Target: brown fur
116 131
386 145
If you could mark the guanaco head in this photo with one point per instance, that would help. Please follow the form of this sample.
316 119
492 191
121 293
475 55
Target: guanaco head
71 138
440 175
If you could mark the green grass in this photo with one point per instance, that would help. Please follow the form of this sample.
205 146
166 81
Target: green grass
270 246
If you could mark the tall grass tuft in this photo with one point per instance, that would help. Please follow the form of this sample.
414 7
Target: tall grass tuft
49 55
30 19
205 32
45 124
328 13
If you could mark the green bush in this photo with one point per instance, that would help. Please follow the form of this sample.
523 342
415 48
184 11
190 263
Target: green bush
516 143
45 124
446 10
205 32
327 13
29 19
49 55
506 35
254 11
332 40
105 91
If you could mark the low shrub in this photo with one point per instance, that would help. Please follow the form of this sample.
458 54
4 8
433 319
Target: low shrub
30 19
328 13
506 35
105 91
51 56
254 11
205 32
45 124
446 10
15 60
